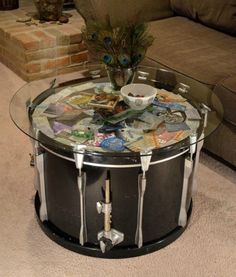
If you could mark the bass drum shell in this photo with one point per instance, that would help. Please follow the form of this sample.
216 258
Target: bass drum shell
160 209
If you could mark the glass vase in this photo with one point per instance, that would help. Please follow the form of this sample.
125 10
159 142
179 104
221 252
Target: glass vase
120 77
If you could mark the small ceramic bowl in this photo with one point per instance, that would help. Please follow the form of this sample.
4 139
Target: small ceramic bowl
138 96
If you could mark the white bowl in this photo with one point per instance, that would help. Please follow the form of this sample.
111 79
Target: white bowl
147 92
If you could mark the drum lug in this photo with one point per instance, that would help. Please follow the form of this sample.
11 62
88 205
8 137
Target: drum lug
81 180
79 157
145 162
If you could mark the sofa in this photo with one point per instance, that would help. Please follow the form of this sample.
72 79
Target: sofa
194 37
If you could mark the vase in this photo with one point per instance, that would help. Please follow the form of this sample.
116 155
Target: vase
49 10
120 77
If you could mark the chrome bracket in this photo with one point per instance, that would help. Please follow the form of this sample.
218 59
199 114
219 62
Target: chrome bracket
104 208
81 181
95 73
145 162
109 239
204 110
183 88
143 75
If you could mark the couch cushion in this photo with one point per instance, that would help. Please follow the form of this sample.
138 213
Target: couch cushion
121 11
188 8
222 142
226 91
213 13
191 48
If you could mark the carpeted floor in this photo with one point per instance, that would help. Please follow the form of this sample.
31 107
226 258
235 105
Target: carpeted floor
206 249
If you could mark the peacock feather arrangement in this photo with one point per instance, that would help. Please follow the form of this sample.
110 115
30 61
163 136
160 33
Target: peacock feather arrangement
123 46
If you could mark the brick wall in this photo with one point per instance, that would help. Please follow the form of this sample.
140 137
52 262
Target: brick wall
37 51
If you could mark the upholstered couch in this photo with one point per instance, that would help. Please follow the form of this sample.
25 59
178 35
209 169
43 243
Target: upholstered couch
194 37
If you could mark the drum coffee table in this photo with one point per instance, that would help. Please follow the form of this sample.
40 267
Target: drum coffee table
113 182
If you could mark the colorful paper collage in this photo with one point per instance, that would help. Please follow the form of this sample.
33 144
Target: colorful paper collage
94 115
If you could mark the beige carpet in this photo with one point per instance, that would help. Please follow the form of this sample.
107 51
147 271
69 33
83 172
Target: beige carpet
207 248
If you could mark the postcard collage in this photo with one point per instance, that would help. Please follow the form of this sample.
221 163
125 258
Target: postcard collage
94 115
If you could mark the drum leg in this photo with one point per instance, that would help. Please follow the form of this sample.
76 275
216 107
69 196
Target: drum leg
109 237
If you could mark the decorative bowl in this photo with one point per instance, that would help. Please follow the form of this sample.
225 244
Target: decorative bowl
138 96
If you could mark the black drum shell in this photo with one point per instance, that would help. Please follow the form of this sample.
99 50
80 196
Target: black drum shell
161 201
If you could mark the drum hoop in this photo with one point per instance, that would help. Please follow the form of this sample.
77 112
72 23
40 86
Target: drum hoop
114 165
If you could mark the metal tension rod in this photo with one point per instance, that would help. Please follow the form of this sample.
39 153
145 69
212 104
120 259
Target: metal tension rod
204 111
81 180
145 162
40 180
188 165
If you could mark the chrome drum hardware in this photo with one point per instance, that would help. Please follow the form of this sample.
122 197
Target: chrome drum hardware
40 178
188 168
108 237
145 162
81 180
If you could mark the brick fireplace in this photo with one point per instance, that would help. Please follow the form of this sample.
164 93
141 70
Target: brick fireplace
34 49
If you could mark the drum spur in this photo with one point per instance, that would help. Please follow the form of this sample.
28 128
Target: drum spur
109 237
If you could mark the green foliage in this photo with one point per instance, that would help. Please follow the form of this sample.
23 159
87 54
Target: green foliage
123 46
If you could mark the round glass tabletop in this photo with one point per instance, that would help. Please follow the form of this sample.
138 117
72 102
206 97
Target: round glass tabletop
80 112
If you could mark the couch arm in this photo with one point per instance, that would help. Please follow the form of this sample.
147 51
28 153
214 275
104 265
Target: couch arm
226 91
